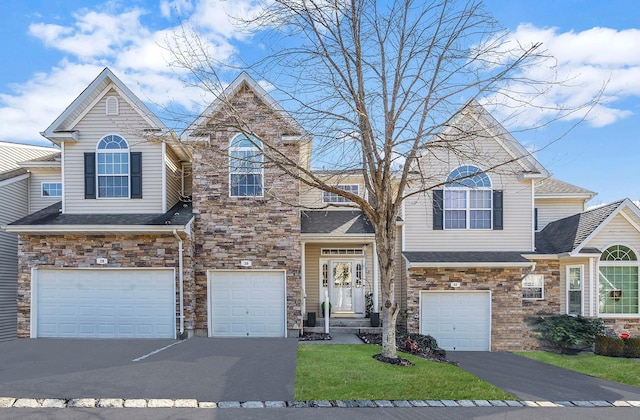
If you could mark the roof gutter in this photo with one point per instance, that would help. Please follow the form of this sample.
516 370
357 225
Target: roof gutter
62 229
470 264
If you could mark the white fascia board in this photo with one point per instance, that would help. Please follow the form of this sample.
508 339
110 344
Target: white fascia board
14 179
60 229
309 238
541 256
581 196
469 264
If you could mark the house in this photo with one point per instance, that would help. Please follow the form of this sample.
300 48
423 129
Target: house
160 236
17 200
110 257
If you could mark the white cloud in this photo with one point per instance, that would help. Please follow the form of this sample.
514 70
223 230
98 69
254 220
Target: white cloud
598 61
180 7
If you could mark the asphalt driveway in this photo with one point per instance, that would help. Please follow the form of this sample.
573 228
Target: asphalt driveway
207 369
529 379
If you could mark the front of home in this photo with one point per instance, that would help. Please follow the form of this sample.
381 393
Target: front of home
160 236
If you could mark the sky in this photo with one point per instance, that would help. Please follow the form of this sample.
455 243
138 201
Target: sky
52 49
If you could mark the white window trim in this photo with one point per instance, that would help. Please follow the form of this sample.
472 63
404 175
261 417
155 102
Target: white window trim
468 208
99 151
325 193
568 289
600 263
542 287
50 196
233 173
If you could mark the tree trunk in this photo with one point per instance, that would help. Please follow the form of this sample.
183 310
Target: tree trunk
386 247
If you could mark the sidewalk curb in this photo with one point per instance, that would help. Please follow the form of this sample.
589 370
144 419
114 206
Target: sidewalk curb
8 402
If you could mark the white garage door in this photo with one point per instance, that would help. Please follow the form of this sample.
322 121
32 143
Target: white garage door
247 303
457 320
104 303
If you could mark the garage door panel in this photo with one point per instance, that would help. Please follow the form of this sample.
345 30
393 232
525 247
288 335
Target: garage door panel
457 320
247 303
105 303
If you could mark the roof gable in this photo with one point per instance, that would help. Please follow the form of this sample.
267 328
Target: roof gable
62 128
522 157
242 81
573 233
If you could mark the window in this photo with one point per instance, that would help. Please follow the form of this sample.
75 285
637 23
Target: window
574 290
468 199
533 287
618 281
112 167
328 197
52 189
245 167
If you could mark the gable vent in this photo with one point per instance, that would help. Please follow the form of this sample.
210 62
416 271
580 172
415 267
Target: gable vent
112 105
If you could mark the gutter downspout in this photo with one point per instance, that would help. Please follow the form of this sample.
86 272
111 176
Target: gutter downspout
181 281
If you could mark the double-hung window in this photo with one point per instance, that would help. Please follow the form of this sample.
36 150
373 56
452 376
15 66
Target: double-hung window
245 167
468 199
574 289
329 197
533 287
112 167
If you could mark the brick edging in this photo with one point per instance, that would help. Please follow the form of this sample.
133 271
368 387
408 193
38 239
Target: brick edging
8 402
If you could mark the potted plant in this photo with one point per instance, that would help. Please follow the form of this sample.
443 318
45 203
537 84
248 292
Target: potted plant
322 306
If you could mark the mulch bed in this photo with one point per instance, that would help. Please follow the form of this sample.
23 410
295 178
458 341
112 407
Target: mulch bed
416 344
312 336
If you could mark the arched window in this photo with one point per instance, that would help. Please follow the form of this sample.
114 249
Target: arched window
467 199
245 167
112 167
618 285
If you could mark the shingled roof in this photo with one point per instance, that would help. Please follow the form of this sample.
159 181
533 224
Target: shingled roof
179 215
471 258
552 186
352 222
565 235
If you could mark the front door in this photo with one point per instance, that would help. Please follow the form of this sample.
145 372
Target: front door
345 281
342 285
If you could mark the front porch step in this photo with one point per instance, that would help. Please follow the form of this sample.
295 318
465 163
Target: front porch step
345 326
344 330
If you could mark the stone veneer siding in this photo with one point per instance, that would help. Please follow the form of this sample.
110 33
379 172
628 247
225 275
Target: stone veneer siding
264 230
509 331
81 251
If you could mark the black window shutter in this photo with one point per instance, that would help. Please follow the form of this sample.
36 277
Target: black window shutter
535 219
89 175
136 175
438 212
498 211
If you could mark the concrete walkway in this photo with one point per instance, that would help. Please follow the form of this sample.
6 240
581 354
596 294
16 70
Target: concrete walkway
529 379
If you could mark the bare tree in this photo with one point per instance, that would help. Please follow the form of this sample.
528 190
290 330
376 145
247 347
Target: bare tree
376 83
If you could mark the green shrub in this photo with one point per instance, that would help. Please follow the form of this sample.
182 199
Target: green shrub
565 333
632 347
609 346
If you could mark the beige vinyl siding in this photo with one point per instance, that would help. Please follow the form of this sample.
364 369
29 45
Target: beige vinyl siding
65 125
312 197
518 205
550 210
174 178
618 232
93 127
13 205
38 176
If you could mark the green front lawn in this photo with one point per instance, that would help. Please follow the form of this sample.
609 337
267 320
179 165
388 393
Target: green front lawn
614 369
348 372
